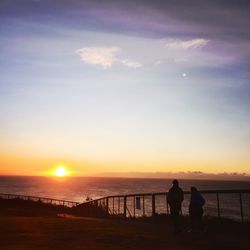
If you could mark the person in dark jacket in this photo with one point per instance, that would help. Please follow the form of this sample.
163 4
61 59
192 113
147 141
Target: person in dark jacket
174 199
196 209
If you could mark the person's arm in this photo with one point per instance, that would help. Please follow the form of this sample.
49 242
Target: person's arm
169 197
203 201
182 196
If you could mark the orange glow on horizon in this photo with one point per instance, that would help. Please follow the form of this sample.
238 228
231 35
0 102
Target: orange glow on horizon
30 165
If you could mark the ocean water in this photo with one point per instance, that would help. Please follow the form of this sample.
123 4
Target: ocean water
79 188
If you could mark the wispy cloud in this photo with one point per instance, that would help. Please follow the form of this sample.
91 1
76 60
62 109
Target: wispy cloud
105 56
131 64
186 44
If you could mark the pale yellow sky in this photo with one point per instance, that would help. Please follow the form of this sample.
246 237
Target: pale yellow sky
14 164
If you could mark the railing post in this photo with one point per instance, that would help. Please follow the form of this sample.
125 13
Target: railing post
125 206
118 205
134 204
143 205
113 205
167 204
107 205
153 204
218 204
241 208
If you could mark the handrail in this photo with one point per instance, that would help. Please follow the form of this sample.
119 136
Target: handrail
38 198
104 202
123 206
222 191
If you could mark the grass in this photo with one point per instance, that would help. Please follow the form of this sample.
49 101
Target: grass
73 233
28 225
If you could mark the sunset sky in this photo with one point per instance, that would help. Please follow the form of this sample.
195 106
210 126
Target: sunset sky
117 86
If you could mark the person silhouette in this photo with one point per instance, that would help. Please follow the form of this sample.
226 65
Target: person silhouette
174 199
196 209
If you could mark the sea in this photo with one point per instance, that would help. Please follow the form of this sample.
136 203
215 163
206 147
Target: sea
81 188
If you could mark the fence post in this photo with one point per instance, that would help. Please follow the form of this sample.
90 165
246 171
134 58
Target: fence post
119 205
125 207
218 204
153 204
134 204
241 208
107 206
143 205
167 204
95 210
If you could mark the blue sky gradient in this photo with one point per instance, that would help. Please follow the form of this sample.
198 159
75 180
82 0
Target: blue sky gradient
125 85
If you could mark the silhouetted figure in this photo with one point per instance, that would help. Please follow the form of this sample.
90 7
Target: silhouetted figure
196 209
175 198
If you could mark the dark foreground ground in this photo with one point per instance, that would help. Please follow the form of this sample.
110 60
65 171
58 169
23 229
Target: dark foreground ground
35 233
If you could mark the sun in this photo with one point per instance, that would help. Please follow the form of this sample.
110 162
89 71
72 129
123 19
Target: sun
61 171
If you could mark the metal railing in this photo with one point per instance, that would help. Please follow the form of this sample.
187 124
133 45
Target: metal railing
147 204
58 202
151 204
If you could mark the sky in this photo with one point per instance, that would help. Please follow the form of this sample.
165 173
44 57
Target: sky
124 86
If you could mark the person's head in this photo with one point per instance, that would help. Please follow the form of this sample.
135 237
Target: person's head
175 183
193 189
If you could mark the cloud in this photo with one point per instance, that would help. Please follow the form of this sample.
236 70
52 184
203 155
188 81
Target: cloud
196 175
186 44
105 56
131 64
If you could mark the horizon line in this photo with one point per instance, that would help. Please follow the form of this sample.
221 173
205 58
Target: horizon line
152 175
